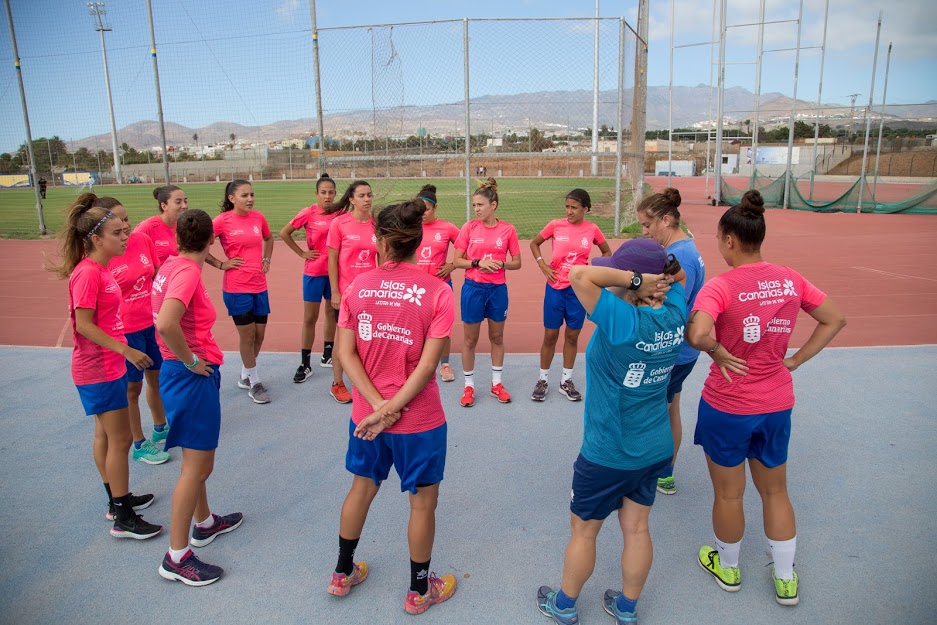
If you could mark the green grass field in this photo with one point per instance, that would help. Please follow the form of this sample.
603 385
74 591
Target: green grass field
525 202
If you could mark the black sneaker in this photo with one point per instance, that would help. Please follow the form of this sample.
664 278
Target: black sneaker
569 389
191 571
137 502
223 524
303 373
135 527
325 362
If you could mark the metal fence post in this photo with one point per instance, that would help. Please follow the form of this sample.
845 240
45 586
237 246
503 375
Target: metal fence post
468 149
315 60
621 95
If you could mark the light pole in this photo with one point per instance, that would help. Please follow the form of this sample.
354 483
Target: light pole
96 9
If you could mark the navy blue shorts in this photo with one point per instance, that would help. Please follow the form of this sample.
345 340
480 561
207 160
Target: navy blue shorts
561 305
145 341
243 303
480 301
598 491
731 438
193 406
420 458
103 396
678 374
316 289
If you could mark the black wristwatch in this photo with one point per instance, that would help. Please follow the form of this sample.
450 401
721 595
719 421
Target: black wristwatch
636 281
475 262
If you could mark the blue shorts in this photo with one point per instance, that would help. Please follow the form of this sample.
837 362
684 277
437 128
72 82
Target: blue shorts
449 282
678 374
316 289
103 396
598 491
482 301
243 303
145 341
731 438
561 305
193 406
420 458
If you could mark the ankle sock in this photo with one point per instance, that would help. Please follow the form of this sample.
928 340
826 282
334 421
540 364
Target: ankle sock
469 378
305 354
138 444
544 374
567 374
564 601
176 555
110 499
782 552
346 555
496 375
252 375
626 605
159 428
209 522
728 553
327 349
419 577
122 508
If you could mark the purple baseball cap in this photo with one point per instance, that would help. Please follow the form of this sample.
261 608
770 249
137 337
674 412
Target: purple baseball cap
641 255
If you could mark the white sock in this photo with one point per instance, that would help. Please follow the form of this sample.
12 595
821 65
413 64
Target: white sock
244 371
176 554
469 379
782 552
207 522
544 374
252 375
567 374
496 375
729 553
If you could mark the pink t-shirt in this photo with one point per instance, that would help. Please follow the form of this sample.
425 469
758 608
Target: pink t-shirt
316 224
164 237
134 273
434 249
480 242
393 310
755 308
181 279
92 286
572 245
243 236
356 246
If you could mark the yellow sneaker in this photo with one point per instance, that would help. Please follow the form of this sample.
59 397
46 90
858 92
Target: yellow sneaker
729 578
440 589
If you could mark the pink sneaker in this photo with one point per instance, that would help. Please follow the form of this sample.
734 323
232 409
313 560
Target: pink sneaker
341 584
440 589
497 390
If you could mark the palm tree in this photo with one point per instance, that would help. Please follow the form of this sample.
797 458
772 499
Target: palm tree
232 137
195 138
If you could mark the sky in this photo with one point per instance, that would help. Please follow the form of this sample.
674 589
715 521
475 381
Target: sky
251 62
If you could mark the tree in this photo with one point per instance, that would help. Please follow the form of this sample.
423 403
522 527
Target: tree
232 137
195 138
748 126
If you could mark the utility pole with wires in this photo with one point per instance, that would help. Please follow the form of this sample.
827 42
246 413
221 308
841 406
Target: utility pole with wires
96 10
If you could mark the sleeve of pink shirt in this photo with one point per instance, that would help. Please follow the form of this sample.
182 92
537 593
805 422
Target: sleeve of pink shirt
301 219
265 227
713 298
453 232
344 312
85 285
462 241
811 296
599 238
443 314
335 236
514 246
547 232
151 252
183 284
218 224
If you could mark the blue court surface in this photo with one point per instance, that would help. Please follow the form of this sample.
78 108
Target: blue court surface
862 472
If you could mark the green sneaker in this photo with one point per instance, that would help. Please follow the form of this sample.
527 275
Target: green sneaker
666 485
159 438
150 453
785 590
728 578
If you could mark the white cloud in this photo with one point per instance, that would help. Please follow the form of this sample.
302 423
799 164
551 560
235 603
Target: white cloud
288 9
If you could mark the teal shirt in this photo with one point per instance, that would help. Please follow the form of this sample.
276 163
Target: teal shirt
628 364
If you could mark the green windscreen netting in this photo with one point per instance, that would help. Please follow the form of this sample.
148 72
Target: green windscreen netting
881 198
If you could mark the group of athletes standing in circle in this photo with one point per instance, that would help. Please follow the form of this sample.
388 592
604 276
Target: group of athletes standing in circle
140 310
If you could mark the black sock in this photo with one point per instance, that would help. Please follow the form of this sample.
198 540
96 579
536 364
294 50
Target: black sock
306 353
346 555
419 576
122 508
327 349
110 499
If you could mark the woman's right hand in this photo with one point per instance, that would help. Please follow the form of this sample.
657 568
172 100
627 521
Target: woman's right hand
310 254
728 363
231 263
202 368
138 359
547 271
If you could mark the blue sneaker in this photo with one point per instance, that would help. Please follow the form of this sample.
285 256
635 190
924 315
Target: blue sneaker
610 601
546 602
159 438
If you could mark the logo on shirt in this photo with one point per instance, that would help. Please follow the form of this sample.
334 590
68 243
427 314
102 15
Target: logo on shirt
666 339
571 257
396 291
158 283
751 329
116 271
789 288
768 289
779 326
161 243
414 294
145 260
373 238
257 230
139 283
364 255
476 240
426 253
234 233
364 326
352 237
585 242
635 375
438 237
111 288
499 243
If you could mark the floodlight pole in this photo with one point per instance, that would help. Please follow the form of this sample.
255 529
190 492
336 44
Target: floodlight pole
159 98
639 109
881 122
816 124
594 170
670 105
96 9
720 96
709 127
755 113
790 133
318 78
468 149
865 150
621 96
29 134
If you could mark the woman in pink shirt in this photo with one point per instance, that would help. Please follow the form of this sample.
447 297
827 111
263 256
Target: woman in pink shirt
161 228
134 272
573 238
482 249
315 220
745 410
247 242
91 237
433 257
393 323
352 251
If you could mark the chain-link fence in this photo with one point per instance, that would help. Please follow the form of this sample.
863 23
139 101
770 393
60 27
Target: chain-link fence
399 104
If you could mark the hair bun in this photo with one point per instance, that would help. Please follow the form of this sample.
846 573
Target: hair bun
156 193
428 188
411 213
490 183
752 204
325 176
672 196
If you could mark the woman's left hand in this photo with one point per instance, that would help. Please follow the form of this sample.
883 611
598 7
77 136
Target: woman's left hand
653 286
790 364
265 266
444 271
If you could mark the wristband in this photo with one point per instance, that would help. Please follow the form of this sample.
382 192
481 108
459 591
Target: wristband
539 258
475 262
502 264
194 362
713 350
265 260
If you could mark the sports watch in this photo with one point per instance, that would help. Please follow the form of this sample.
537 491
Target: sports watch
636 281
